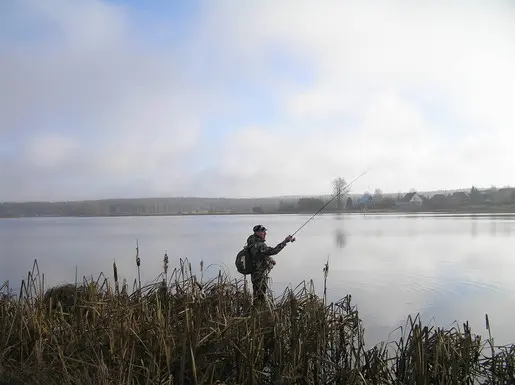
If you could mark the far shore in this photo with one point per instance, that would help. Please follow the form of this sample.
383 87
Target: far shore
503 210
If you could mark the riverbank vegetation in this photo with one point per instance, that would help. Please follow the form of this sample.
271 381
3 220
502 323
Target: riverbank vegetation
186 329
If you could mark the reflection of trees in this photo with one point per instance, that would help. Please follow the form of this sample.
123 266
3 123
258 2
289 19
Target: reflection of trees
340 238
493 227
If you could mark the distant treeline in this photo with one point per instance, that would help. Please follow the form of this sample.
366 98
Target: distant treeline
475 200
472 200
161 206
141 206
311 205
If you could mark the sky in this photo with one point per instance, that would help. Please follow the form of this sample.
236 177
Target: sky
109 99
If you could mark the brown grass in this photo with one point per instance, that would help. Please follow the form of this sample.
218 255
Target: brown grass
184 331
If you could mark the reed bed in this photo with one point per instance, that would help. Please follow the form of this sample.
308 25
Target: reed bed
183 330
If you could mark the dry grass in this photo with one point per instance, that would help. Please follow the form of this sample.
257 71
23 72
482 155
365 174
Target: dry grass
185 331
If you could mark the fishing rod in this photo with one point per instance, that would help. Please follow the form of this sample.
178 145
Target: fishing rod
333 198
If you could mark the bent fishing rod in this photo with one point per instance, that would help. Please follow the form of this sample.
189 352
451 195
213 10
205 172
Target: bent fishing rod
346 188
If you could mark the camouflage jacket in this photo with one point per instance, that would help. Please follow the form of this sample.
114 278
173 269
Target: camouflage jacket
262 254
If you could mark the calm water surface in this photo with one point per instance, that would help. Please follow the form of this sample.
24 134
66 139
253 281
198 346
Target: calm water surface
447 268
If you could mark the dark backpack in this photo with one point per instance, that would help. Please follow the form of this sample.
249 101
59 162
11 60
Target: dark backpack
244 261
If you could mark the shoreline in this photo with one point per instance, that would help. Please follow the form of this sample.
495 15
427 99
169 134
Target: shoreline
503 210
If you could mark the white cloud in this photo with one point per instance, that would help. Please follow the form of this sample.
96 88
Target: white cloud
284 162
50 151
92 102
424 93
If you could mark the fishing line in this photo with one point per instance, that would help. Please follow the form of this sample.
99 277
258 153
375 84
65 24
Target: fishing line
333 198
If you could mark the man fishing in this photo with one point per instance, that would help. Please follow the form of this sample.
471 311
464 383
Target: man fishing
262 260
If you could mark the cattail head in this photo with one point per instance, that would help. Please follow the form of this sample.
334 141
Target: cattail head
115 271
138 261
326 268
165 262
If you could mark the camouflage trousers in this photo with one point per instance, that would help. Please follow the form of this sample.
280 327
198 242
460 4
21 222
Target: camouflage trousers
259 286
260 289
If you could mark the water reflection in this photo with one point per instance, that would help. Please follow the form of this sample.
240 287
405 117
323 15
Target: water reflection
493 228
340 238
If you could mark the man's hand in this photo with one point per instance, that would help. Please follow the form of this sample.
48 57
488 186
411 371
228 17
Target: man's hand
289 238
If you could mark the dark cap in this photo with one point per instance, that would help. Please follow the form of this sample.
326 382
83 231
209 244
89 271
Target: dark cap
259 228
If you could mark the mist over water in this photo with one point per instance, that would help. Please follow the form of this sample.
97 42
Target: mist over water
450 268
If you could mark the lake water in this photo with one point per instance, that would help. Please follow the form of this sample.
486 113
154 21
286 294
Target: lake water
447 268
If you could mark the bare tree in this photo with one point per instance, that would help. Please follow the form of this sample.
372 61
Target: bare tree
339 184
378 195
